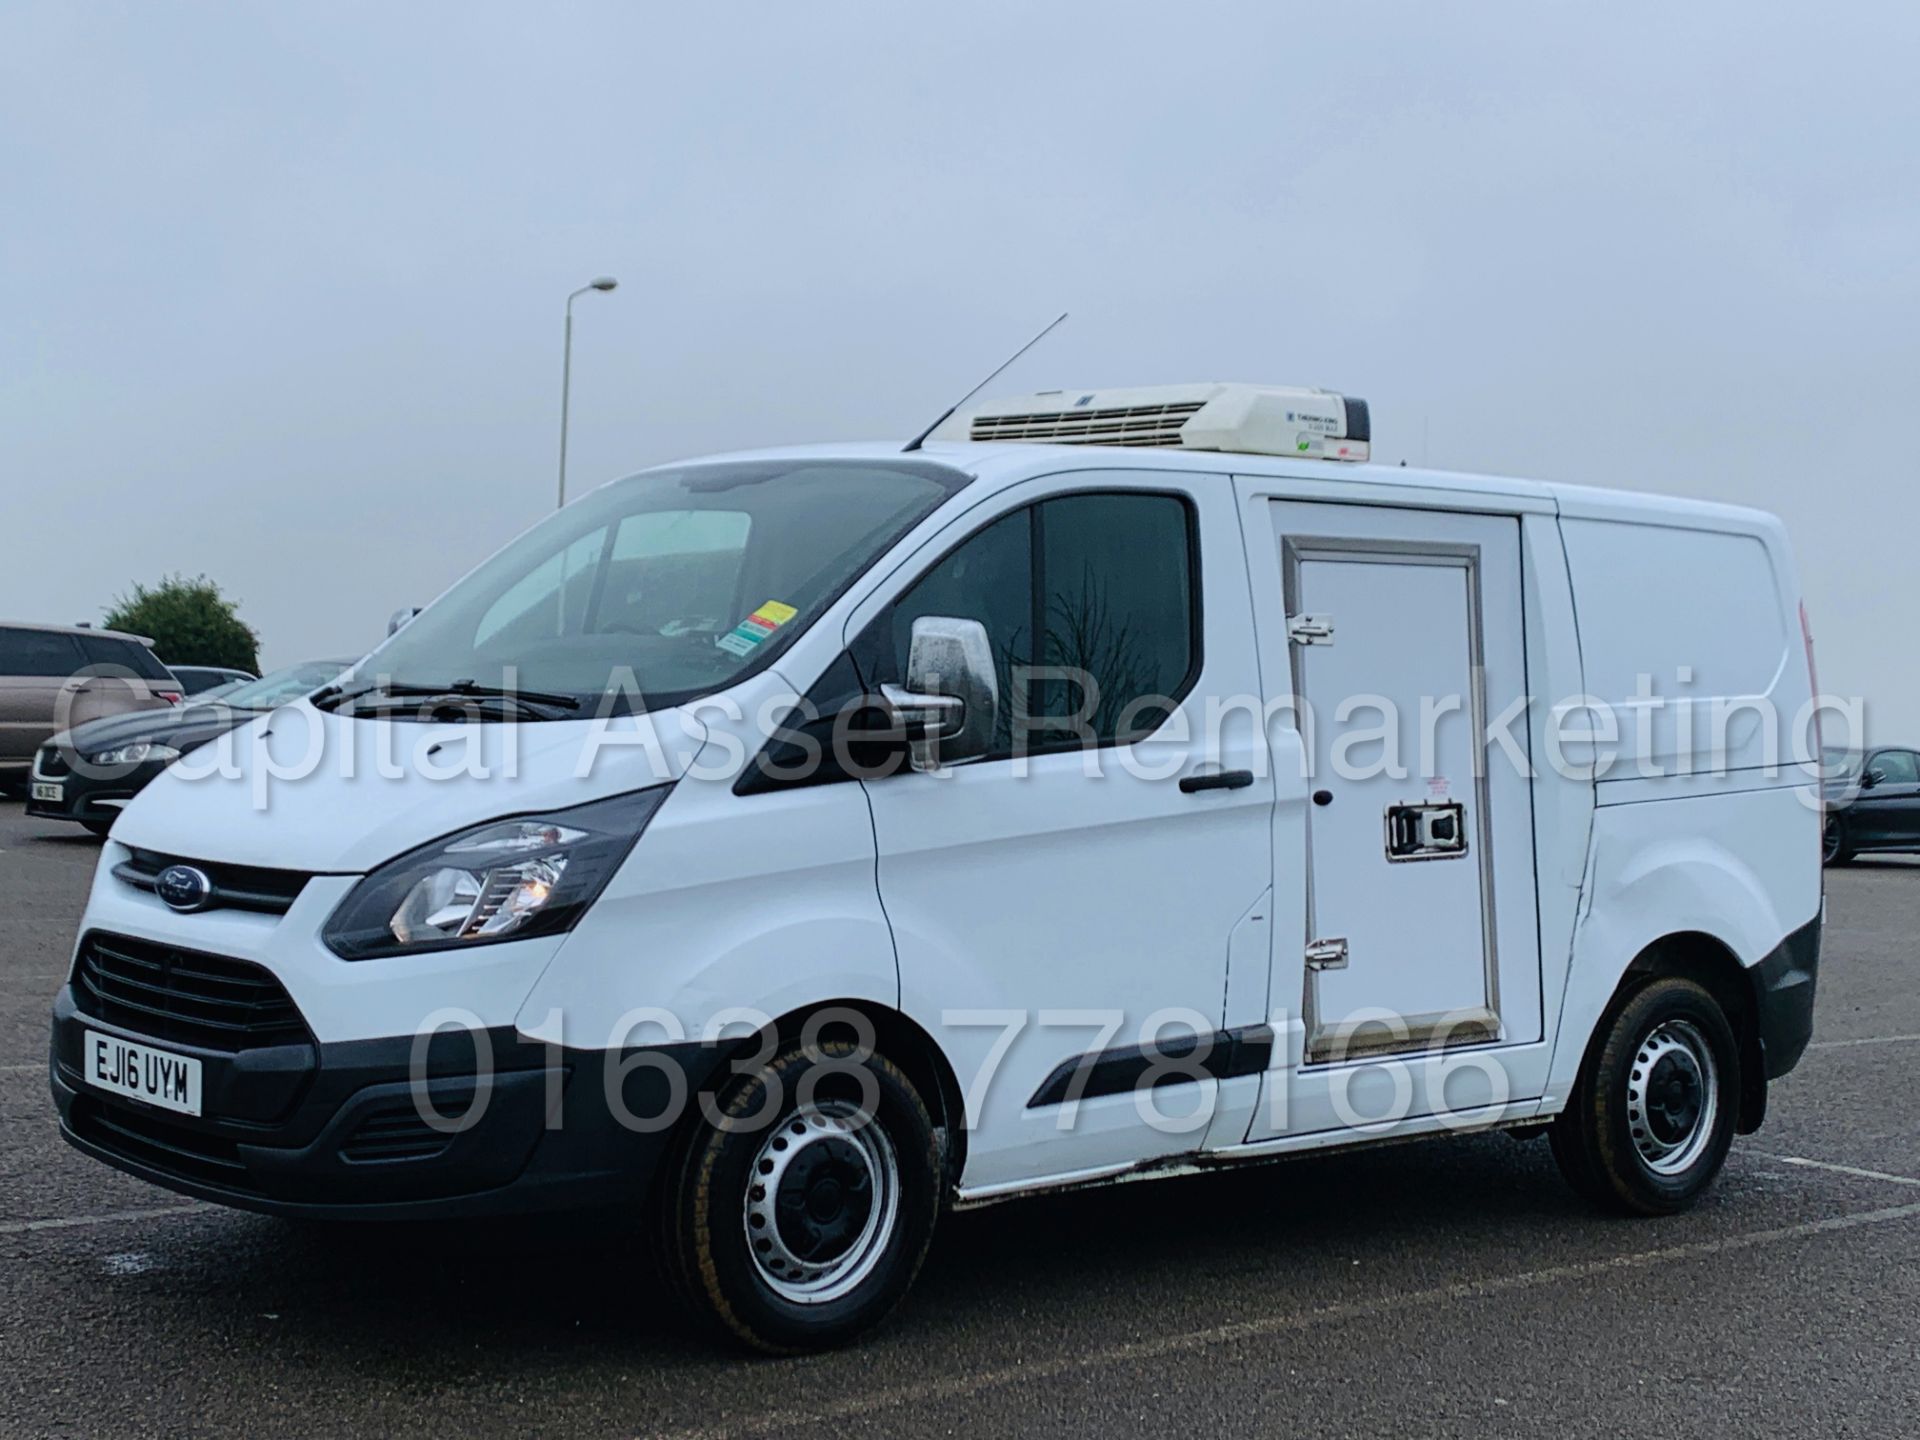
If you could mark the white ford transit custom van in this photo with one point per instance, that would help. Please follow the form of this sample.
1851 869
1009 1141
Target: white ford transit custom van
785 848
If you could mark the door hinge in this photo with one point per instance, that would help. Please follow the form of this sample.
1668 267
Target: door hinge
1327 955
1310 629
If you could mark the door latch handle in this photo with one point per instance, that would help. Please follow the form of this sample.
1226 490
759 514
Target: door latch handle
1217 780
1327 955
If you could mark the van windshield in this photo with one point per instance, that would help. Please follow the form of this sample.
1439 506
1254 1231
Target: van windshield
277 687
667 586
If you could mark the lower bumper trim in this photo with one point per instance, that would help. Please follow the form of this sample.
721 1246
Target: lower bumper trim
1784 983
542 1129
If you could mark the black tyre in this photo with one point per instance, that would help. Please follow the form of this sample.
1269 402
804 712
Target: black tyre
98 827
1651 1120
801 1219
1835 844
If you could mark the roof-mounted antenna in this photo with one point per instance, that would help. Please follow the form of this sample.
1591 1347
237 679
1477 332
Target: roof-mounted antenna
920 439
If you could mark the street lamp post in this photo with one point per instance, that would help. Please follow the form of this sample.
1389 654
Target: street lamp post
605 282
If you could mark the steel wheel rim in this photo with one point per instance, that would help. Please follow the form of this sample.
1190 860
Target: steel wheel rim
823 1197
1673 1097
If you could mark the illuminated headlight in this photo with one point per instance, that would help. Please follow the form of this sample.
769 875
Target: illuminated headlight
137 753
505 880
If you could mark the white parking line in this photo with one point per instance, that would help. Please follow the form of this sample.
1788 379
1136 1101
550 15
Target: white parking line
1870 1040
960 1387
39 1069
82 1222
1853 1170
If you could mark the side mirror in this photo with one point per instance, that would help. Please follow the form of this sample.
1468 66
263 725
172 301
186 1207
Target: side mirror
1872 778
401 616
951 697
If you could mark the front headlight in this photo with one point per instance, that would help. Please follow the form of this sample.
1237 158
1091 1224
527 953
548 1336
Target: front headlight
505 880
135 754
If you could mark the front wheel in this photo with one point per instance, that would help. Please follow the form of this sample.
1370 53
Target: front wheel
1651 1120
801 1217
1835 847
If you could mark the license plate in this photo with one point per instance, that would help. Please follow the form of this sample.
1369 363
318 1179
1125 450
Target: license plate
53 794
140 1072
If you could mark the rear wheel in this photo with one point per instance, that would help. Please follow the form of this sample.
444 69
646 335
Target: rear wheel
1651 1120
801 1219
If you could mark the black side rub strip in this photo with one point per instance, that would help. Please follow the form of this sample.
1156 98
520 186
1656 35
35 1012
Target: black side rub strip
1227 1053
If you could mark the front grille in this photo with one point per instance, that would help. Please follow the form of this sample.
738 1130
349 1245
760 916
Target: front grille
1158 426
207 1001
50 764
236 887
395 1132
146 1139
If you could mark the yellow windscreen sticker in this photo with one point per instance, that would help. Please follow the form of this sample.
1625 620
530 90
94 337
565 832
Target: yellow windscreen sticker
756 627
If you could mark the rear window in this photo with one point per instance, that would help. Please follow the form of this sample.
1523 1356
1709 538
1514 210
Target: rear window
38 652
125 655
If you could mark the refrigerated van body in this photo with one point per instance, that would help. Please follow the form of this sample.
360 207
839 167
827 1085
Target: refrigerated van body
1404 793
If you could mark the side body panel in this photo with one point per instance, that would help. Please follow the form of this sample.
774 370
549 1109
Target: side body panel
1080 902
1704 822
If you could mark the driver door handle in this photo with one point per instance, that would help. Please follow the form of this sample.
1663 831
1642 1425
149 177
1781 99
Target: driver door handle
1218 780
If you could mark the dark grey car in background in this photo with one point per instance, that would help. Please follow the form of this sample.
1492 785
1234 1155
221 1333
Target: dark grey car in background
88 774
1872 800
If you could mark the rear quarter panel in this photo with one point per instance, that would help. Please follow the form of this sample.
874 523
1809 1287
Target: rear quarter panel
1704 820
1742 867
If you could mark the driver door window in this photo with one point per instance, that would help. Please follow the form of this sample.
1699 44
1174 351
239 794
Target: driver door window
1090 606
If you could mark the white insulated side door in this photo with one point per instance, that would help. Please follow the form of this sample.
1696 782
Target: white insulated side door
1402 641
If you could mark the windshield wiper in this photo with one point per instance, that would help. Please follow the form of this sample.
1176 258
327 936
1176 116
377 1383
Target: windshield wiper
333 696
539 703
493 692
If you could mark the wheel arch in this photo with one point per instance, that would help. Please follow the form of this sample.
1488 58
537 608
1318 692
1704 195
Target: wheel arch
1711 964
894 1034
905 1042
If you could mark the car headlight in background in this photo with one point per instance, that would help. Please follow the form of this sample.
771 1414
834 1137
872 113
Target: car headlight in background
505 880
137 753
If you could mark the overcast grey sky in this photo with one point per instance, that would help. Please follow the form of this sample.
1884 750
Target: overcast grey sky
281 285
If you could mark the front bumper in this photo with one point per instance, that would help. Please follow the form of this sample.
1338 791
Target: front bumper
335 1130
85 798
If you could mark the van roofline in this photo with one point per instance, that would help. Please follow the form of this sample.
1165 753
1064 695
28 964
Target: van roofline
999 464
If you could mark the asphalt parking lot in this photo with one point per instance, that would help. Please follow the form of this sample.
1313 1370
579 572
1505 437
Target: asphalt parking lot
1445 1288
